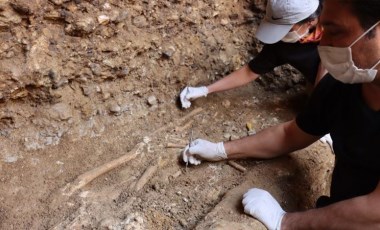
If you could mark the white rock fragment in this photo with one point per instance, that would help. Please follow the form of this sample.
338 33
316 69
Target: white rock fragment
224 22
103 19
115 108
146 139
84 194
152 100
106 6
10 159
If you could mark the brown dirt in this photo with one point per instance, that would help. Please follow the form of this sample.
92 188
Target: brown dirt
76 93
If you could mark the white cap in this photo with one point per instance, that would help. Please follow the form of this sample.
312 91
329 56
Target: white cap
280 17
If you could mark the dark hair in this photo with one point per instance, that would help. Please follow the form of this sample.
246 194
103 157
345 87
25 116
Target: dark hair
367 12
313 15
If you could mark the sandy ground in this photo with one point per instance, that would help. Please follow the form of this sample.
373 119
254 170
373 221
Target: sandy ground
174 197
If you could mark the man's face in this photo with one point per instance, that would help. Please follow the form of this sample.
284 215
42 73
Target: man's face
342 28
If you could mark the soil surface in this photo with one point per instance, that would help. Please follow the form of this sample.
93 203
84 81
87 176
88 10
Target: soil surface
85 83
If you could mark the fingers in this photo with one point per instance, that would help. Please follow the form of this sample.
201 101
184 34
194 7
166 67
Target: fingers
188 157
254 197
184 98
194 161
253 192
264 207
249 199
191 93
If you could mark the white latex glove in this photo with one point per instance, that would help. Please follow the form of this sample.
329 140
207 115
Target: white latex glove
327 139
261 205
203 150
192 93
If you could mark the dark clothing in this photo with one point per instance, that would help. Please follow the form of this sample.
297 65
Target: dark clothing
303 57
339 109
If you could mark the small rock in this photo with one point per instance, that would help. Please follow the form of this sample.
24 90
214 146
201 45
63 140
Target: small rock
59 2
84 194
96 69
146 139
87 91
114 108
10 159
234 137
152 100
10 54
168 53
103 19
112 63
54 15
106 6
227 136
106 95
140 21
226 103
224 22
251 132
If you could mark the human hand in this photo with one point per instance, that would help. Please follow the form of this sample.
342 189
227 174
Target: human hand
261 205
203 150
192 93
327 139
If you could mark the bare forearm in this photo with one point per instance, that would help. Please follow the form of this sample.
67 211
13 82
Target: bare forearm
233 80
269 143
357 213
263 145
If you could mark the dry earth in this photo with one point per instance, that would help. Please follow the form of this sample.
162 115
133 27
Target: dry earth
83 83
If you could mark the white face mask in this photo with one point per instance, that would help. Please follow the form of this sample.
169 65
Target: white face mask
338 62
294 36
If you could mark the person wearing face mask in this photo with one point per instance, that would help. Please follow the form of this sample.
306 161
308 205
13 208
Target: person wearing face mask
345 103
290 33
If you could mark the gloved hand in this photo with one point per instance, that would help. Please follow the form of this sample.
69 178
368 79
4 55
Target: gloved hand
261 205
191 93
202 149
327 139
